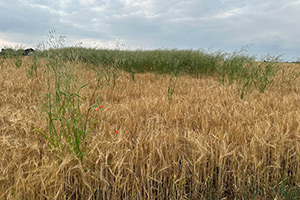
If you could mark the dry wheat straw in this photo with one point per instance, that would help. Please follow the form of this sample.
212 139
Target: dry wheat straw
206 142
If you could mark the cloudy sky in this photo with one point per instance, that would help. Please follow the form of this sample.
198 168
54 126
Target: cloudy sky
269 26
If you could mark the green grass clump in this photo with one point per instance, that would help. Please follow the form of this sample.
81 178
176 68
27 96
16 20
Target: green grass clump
139 61
230 68
68 126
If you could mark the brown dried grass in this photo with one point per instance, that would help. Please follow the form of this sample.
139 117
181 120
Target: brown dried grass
206 143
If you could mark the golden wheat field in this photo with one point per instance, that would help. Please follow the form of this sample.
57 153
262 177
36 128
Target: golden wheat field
204 143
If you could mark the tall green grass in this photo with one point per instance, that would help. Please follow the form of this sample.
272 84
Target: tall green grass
139 61
68 123
229 67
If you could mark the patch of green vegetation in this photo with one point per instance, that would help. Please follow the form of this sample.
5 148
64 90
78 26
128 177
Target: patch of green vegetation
68 127
234 67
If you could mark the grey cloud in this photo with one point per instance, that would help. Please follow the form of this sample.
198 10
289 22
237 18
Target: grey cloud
267 26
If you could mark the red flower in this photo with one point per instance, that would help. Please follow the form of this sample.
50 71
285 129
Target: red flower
97 109
116 131
101 106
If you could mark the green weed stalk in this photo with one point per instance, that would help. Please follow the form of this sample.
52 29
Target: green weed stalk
171 87
32 68
2 62
18 61
68 127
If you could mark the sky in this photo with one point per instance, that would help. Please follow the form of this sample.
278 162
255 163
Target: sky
260 26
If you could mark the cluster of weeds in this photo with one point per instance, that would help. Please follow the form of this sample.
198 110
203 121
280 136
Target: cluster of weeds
65 122
229 67
32 67
139 61
68 123
68 126
246 70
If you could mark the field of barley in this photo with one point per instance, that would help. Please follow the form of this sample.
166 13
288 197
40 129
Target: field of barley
72 129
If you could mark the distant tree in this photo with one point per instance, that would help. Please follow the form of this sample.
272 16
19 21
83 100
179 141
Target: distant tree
8 52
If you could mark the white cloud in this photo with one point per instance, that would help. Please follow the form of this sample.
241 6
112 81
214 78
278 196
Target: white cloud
230 13
8 40
98 44
86 2
8 44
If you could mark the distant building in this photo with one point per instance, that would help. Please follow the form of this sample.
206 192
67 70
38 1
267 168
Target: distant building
28 51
